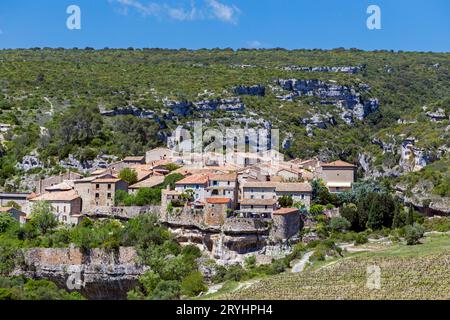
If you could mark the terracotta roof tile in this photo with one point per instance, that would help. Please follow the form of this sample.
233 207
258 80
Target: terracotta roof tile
285 211
218 200
194 179
338 163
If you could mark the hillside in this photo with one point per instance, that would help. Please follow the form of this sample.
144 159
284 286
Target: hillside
386 111
407 272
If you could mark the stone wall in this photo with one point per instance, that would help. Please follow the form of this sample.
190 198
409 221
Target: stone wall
97 274
285 226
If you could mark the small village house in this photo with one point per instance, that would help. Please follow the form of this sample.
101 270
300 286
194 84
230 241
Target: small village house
16 214
338 176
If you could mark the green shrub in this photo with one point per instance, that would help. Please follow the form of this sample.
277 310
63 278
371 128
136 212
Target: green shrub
413 234
193 284
339 224
361 239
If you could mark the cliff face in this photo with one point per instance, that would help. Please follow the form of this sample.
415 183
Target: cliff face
96 274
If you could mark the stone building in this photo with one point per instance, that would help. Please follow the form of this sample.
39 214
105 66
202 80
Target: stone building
286 223
98 192
225 186
104 191
257 208
13 212
66 205
41 185
215 212
299 192
197 183
338 176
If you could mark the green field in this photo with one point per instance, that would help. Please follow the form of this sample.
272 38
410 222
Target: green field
407 272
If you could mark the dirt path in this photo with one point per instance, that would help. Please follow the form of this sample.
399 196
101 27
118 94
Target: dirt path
300 266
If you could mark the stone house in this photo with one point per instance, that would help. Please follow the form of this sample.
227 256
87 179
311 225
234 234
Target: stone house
257 208
66 205
300 192
41 185
259 190
286 223
98 192
16 214
215 211
17 197
338 176
198 183
150 182
104 191
225 186
134 160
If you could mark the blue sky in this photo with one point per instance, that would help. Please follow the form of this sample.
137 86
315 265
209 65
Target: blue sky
412 25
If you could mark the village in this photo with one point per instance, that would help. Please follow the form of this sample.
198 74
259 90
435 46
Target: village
226 208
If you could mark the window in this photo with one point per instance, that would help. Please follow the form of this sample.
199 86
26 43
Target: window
215 183
64 208
251 207
262 197
65 218
252 197
229 183
97 195
265 207
109 195
303 197
109 187
97 186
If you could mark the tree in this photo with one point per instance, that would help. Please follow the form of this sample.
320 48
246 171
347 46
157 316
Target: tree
413 233
410 216
129 175
316 209
193 284
286 201
14 205
339 224
42 217
398 220
350 213
6 222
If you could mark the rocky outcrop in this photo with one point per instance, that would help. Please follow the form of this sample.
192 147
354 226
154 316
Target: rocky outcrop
128 110
257 90
186 108
100 162
29 162
345 98
437 116
97 274
338 69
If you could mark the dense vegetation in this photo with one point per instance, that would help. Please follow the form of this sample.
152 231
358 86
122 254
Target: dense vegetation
63 90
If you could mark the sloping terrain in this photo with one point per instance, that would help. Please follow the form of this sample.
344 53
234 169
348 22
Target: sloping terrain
407 272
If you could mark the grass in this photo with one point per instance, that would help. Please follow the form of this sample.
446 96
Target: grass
407 272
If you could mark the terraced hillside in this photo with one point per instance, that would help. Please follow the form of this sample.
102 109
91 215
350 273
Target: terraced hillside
417 272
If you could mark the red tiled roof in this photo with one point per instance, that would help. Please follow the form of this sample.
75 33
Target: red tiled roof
223 177
194 179
285 211
218 200
338 163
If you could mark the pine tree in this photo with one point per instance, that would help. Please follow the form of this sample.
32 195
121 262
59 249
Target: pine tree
410 216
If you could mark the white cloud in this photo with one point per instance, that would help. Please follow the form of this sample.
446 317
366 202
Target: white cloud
223 12
208 9
254 44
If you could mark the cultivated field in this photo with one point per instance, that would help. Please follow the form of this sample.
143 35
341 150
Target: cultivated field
407 272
